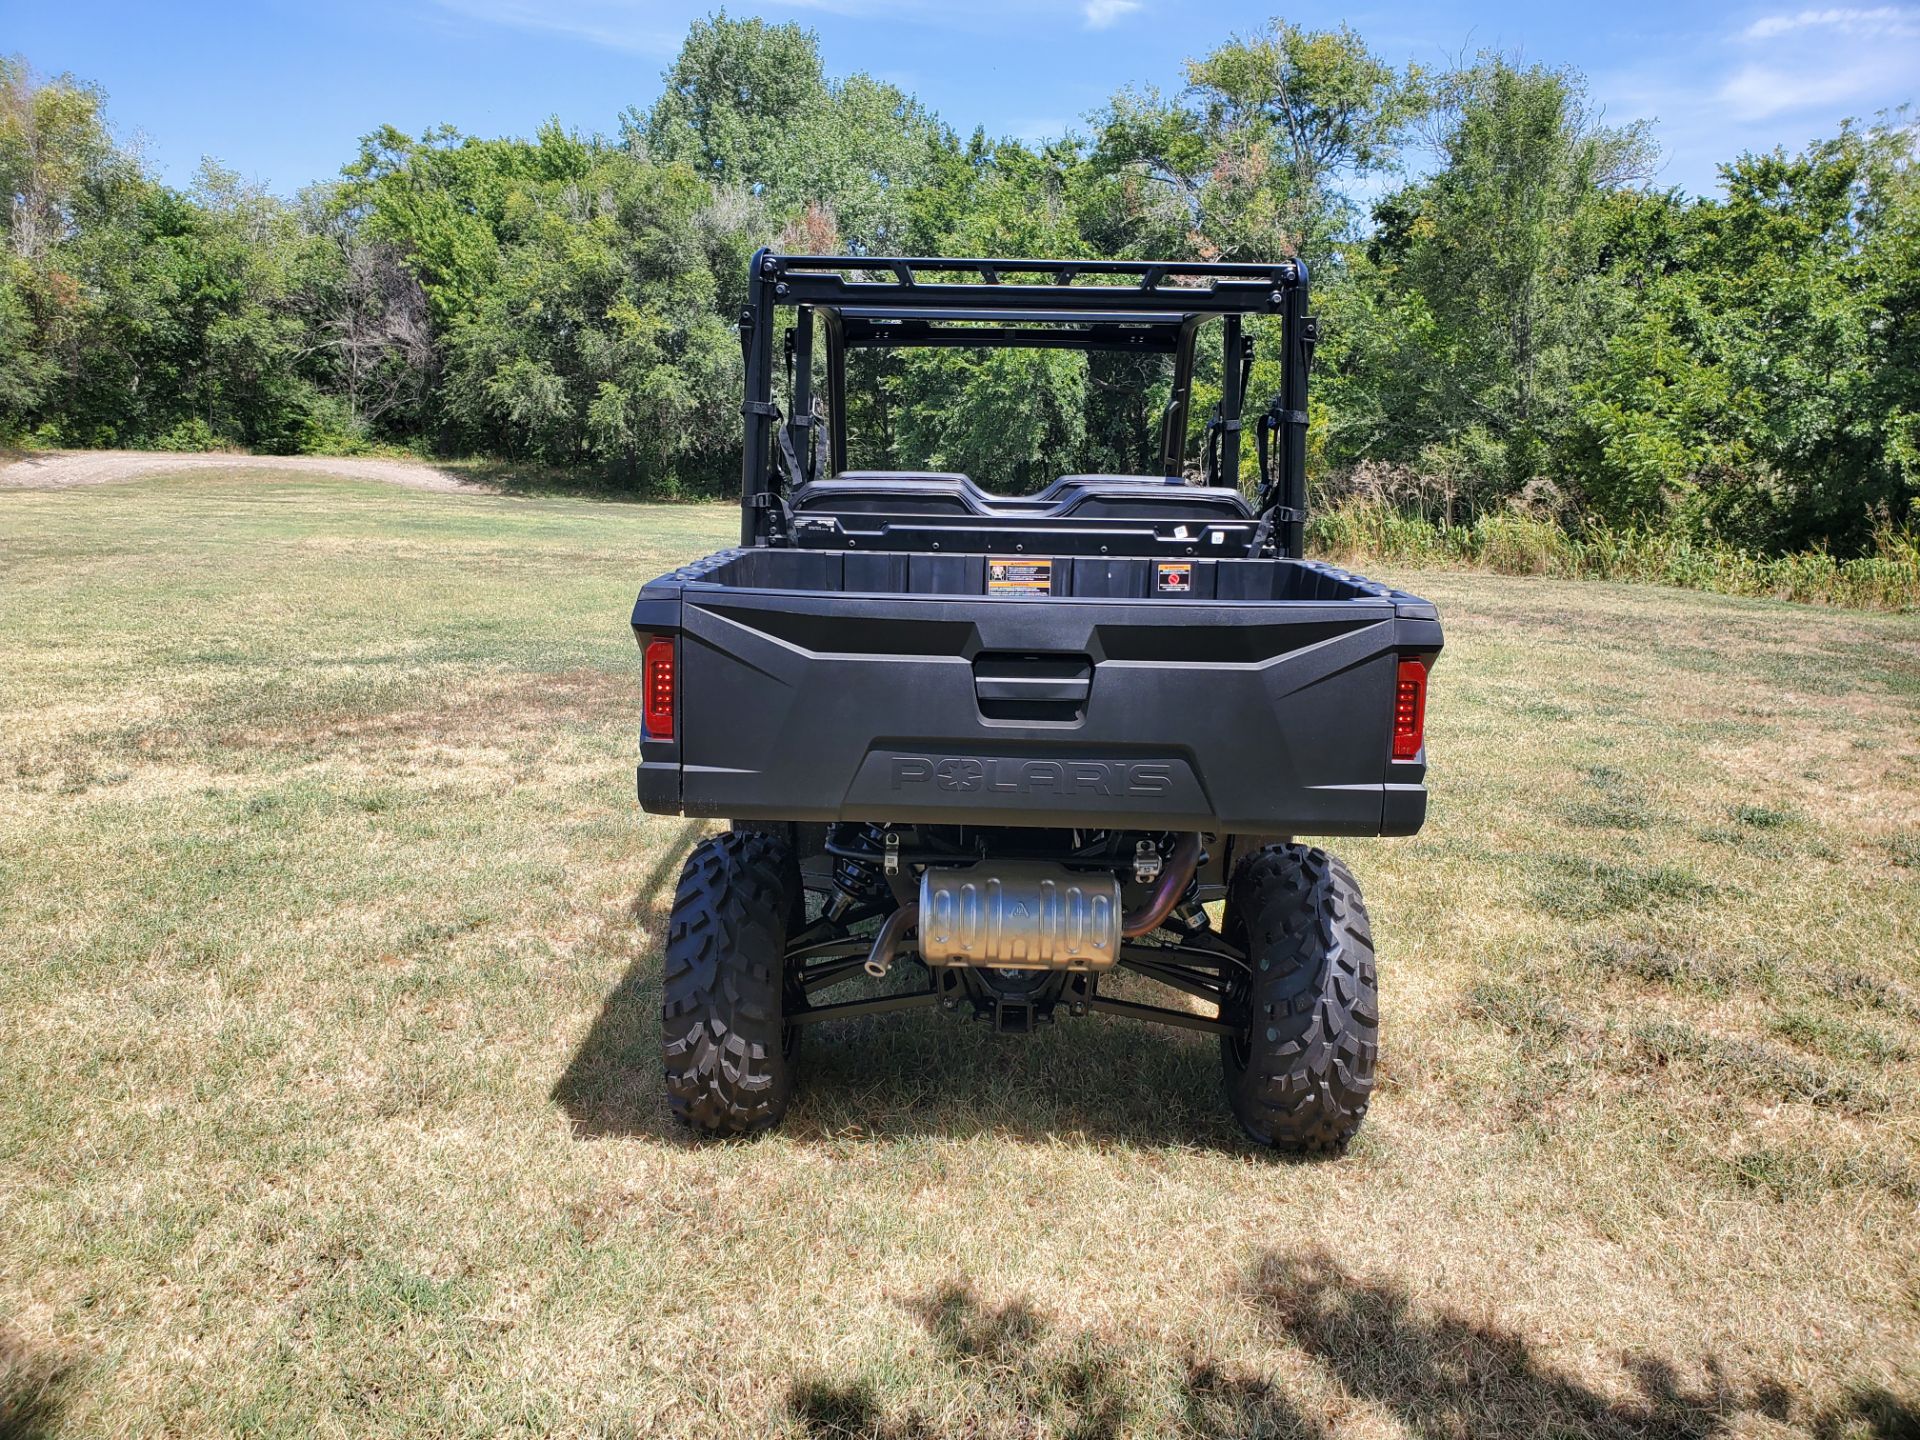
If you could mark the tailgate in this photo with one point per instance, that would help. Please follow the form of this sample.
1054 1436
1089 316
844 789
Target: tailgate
1247 717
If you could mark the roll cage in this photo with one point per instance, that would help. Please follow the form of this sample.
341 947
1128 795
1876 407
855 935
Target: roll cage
1125 306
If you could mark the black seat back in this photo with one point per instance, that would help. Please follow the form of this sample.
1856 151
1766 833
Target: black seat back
886 492
949 494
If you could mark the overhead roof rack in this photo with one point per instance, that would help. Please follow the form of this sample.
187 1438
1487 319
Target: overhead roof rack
1157 287
1044 330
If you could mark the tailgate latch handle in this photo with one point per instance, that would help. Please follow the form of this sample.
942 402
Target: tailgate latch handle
1039 687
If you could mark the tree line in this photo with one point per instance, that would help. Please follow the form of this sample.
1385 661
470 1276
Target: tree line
1513 314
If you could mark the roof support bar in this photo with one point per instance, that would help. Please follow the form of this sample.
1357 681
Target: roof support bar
836 390
1230 403
1173 425
1298 350
800 407
756 480
1160 338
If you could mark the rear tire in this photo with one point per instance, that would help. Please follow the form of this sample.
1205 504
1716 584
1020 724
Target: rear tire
808 842
1300 1071
785 832
724 1041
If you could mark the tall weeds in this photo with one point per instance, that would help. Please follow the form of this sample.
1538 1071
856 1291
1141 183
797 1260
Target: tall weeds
1518 544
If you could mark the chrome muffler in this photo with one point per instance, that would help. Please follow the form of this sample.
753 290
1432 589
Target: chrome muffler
1019 915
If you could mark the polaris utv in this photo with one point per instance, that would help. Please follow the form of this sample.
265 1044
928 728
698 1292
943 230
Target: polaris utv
980 751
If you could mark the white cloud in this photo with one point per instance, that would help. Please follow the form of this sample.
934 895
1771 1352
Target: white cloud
1037 130
1755 92
1716 89
1837 57
1102 13
605 23
1879 22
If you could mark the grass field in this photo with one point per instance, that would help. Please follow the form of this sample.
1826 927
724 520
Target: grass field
330 1103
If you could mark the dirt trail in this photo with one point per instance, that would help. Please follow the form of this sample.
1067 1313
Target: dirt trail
64 469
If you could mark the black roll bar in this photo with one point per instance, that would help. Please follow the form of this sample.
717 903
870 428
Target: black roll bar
1144 306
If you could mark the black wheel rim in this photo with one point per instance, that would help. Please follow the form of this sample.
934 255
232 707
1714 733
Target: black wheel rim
1234 1010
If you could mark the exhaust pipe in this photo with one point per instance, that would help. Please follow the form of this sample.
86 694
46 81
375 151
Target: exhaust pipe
1172 884
1030 914
1019 915
880 958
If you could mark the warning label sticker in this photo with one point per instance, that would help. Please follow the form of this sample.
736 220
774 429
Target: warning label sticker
1174 578
1019 576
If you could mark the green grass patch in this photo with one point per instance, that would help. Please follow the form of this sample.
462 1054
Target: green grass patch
1581 887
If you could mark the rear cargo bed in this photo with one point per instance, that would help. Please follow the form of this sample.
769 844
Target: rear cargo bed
1232 695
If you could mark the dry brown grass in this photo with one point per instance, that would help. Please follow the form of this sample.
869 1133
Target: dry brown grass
331 1103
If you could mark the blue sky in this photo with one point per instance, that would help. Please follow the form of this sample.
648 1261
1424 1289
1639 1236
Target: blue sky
280 91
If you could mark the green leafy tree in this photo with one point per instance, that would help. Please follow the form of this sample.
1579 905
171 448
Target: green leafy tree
55 152
598 340
1812 257
60 173
1490 300
748 105
1011 418
1763 386
26 370
739 103
1272 124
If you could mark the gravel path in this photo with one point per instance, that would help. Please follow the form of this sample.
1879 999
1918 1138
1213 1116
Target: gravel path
64 469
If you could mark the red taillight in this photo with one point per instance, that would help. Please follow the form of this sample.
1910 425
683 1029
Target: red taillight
659 685
1410 710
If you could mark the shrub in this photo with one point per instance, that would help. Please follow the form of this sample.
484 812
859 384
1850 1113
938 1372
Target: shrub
194 434
1514 543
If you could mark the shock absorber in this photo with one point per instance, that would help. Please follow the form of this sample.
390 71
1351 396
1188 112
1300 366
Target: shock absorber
858 880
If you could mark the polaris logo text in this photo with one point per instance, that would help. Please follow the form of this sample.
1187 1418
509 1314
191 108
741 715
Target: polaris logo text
965 774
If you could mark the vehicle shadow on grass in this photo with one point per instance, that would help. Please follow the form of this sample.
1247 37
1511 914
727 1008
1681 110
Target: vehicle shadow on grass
612 1085
1020 1374
1371 1344
920 1073
923 1073
33 1386
1097 1080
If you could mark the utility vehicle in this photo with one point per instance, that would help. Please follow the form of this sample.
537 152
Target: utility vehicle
980 752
